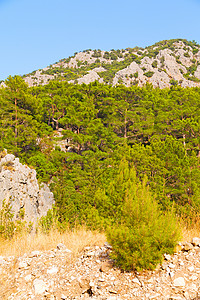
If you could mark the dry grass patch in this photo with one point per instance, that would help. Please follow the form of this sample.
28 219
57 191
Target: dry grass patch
190 228
74 240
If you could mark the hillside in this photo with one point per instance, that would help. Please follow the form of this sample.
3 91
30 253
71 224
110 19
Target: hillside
163 64
121 159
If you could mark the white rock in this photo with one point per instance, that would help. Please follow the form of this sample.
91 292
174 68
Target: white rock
61 246
191 269
28 277
39 286
53 270
91 283
23 264
167 256
171 266
196 241
135 280
179 282
193 277
35 253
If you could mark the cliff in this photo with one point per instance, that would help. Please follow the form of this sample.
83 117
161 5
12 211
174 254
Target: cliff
19 185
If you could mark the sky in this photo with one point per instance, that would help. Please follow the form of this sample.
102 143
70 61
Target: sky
35 34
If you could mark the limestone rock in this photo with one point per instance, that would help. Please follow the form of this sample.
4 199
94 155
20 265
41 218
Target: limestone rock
179 282
40 287
19 185
196 241
187 247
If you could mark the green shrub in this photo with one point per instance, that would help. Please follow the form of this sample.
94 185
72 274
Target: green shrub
195 50
7 226
149 74
144 233
155 64
186 54
173 82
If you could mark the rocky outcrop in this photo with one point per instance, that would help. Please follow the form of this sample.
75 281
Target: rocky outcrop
162 65
57 274
19 185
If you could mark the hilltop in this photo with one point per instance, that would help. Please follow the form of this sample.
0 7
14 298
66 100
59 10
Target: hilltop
166 63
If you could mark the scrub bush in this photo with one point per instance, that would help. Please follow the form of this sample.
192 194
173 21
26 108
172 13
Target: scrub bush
145 233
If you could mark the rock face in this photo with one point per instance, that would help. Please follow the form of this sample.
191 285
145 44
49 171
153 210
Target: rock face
19 185
55 275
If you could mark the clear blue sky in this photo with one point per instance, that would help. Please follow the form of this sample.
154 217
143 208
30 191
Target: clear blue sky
37 33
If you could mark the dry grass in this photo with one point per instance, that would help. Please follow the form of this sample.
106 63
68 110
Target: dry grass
74 240
190 228
77 239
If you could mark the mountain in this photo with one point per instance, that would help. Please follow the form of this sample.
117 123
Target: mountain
166 63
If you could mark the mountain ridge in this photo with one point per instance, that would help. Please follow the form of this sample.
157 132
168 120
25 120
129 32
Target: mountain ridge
166 63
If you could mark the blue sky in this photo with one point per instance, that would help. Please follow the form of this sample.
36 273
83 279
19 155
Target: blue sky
37 33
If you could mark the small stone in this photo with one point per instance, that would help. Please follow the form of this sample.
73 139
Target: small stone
63 297
191 269
135 280
105 267
167 256
23 265
112 278
193 277
53 270
101 279
61 246
108 246
179 282
171 266
39 286
35 253
84 284
91 283
187 247
196 241
90 254
73 278
112 291
28 277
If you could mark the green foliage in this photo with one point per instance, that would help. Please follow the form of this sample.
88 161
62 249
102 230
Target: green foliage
144 233
155 64
186 54
46 223
173 82
7 226
149 74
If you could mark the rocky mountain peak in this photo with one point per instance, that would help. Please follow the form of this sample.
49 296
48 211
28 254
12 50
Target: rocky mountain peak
166 63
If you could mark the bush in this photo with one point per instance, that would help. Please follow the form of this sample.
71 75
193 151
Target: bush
7 226
144 233
149 74
155 64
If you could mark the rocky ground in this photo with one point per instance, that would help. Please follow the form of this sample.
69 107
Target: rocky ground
57 274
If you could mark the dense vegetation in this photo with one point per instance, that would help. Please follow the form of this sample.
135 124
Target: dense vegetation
110 131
